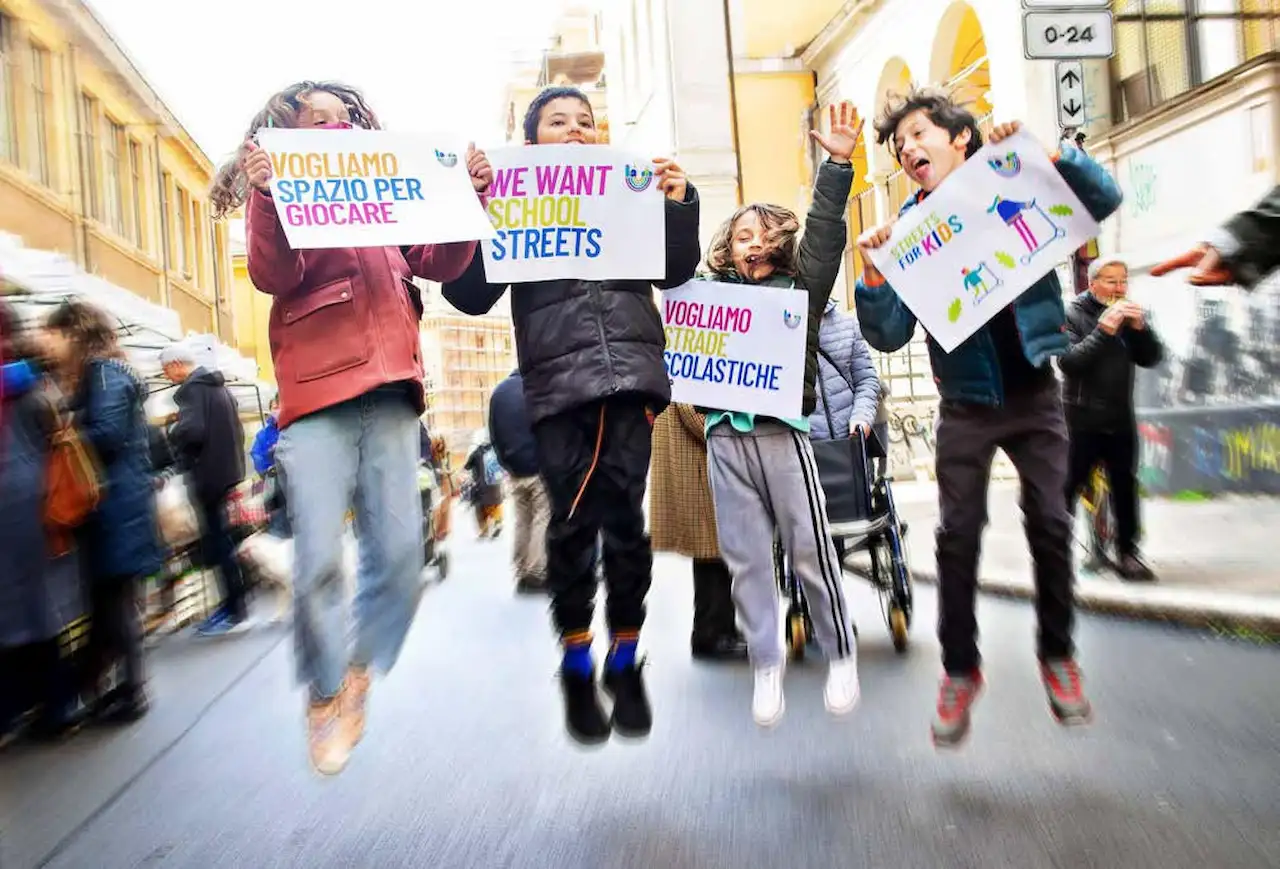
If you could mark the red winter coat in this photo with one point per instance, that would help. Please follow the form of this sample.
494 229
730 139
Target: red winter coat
344 321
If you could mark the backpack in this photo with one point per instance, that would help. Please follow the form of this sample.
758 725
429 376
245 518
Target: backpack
73 488
492 470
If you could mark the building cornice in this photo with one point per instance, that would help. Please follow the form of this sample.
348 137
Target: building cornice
767 65
837 32
93 36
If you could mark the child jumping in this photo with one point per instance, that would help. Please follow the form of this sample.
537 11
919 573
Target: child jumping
998 392
349 408
590 353
762 470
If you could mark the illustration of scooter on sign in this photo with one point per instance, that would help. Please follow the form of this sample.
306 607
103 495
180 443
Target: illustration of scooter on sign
1030 222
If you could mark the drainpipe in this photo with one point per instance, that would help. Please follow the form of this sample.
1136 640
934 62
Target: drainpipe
167 292
81 194
733 98
217 280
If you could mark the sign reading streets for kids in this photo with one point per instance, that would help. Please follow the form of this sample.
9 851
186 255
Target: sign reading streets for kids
588 212
370 188
996 225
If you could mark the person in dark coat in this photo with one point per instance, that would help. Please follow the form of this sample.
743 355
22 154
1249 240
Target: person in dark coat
209 440
120 542
1110 340
486 477
39 594
512 438
591 354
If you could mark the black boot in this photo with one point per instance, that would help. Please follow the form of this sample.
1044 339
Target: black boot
632 718
584 718
715 632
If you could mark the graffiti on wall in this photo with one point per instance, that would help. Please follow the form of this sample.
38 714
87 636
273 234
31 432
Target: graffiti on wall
1210 412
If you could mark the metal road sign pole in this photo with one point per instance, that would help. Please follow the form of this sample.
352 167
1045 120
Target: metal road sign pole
1068 32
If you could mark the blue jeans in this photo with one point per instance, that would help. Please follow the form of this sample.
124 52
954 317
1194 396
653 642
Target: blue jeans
361 454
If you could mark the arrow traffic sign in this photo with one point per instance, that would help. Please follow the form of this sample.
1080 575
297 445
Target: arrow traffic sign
1065 34
1068 85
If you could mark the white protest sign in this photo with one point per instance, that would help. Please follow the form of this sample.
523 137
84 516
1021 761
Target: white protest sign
589 212
370 188
736 347
996 226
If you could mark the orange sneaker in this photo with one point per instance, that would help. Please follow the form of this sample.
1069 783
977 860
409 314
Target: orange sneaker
355 694
328 741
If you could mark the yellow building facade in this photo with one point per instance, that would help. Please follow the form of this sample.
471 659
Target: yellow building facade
93 165
574 57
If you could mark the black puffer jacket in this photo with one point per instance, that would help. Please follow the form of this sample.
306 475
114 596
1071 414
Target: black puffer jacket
581 341
208 436
1098 370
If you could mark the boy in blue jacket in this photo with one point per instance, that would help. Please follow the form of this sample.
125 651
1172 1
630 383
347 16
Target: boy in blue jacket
998 391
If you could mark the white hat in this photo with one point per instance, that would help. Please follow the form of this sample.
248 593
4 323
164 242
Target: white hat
177 352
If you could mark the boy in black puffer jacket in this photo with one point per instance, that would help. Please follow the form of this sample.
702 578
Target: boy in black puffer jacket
591 358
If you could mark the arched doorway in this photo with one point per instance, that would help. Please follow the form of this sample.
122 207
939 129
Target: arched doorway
895 80
959 61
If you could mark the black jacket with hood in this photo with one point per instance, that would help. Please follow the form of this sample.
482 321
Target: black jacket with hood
208 436
1098 370
509 428
581 341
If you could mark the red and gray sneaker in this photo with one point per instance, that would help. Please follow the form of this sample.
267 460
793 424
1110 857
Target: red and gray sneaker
1062 684
956 696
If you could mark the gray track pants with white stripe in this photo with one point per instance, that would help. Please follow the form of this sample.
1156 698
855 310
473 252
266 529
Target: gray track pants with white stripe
764 479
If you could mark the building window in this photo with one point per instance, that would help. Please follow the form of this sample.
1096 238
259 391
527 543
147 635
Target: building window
182 233
113 141
136 235
8 137
1165 48
89 124
40 76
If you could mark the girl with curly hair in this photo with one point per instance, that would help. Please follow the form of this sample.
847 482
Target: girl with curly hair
344 340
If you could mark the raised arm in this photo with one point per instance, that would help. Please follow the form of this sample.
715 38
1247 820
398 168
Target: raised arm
886 323
1095 187
470 292
274 267
684 250
826 234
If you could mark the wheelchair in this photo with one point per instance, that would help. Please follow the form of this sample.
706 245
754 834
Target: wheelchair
863 520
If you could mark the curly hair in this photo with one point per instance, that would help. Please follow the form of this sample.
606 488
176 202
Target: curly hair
939 105
781 229
90 332
230 186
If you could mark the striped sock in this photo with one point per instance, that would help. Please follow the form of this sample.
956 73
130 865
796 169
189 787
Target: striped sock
577 653
622 651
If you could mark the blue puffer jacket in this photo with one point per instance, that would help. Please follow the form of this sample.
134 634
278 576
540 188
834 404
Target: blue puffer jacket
120 536
971 372
840 338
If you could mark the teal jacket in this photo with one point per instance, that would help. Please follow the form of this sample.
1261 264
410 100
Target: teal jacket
971 372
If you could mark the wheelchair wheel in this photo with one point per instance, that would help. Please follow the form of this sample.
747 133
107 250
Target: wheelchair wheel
797 635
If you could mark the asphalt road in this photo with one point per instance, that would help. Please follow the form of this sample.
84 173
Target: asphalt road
465 763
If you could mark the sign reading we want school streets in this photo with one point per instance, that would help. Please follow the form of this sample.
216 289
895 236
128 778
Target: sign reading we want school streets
587 212
996 226
736 347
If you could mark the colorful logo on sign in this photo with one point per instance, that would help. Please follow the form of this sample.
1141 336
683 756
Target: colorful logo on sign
1007 166
792 320
638 179
447 160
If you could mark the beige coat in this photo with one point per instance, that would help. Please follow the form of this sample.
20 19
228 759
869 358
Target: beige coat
682 514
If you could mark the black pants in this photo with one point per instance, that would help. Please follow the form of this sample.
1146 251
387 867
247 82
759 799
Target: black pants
1031 430
1118 454
218 554
610 503
115 636
714 617
34 675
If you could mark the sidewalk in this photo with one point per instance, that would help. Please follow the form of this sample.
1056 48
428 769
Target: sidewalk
1214 559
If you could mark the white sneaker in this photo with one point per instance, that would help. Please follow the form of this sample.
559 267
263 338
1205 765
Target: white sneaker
768 704
843 691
